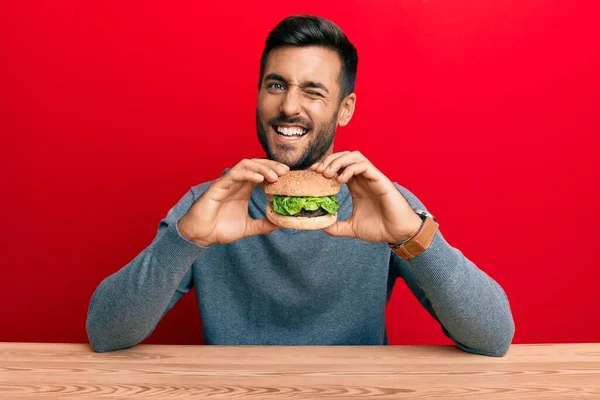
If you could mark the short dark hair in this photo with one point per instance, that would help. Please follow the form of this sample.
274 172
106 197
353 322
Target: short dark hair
309 30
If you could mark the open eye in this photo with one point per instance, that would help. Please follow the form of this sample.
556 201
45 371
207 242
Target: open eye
276 86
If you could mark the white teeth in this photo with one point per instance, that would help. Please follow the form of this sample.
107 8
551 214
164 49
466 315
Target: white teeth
293 131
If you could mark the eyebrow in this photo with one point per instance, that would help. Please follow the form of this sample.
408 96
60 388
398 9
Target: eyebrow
310 84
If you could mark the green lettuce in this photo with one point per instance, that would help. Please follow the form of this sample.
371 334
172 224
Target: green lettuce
292 205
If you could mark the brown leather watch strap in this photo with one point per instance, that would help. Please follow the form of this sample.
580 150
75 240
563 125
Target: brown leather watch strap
420 242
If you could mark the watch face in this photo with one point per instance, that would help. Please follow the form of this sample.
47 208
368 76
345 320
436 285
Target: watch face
424 214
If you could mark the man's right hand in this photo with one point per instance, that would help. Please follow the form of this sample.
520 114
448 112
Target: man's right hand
220 215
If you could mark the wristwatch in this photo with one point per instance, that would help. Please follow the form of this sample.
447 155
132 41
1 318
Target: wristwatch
421 240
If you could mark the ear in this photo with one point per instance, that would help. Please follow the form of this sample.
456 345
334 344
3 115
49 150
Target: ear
346 109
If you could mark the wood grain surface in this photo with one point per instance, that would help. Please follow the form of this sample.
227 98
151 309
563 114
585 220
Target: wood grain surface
73 371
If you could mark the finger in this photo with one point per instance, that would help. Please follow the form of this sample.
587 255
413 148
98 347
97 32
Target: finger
279 168
319 167
245 175
325 162
354 169
239 183
343 162
259 168
259 227
340 228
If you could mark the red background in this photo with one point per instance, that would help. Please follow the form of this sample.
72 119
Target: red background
110 112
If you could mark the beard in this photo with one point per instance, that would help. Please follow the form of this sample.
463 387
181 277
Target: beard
318 145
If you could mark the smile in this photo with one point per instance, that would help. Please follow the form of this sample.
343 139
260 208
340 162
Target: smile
290 131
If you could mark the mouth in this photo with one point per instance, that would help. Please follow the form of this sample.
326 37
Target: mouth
290 132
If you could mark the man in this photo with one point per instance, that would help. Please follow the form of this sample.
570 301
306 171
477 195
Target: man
257 284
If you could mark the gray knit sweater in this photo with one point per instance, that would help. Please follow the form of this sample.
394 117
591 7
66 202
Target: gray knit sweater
295 288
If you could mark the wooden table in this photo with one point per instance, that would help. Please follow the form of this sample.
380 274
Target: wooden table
73 371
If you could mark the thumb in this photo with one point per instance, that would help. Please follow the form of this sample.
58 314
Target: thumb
340 228
259 227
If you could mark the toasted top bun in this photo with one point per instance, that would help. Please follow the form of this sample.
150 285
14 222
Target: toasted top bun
302 183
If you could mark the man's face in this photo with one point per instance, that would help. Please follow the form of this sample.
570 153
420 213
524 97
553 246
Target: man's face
298 104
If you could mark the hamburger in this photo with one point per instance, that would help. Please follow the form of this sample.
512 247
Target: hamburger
303 200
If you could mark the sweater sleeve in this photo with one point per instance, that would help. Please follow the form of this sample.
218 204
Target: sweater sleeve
471 307
127 305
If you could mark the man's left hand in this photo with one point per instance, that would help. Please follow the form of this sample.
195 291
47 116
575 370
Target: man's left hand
380 213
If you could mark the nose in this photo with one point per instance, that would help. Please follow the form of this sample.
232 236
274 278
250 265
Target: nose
290 104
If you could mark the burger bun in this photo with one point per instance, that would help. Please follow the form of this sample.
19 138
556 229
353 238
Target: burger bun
302 183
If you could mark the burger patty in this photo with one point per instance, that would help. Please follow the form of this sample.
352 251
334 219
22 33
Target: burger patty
317 213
